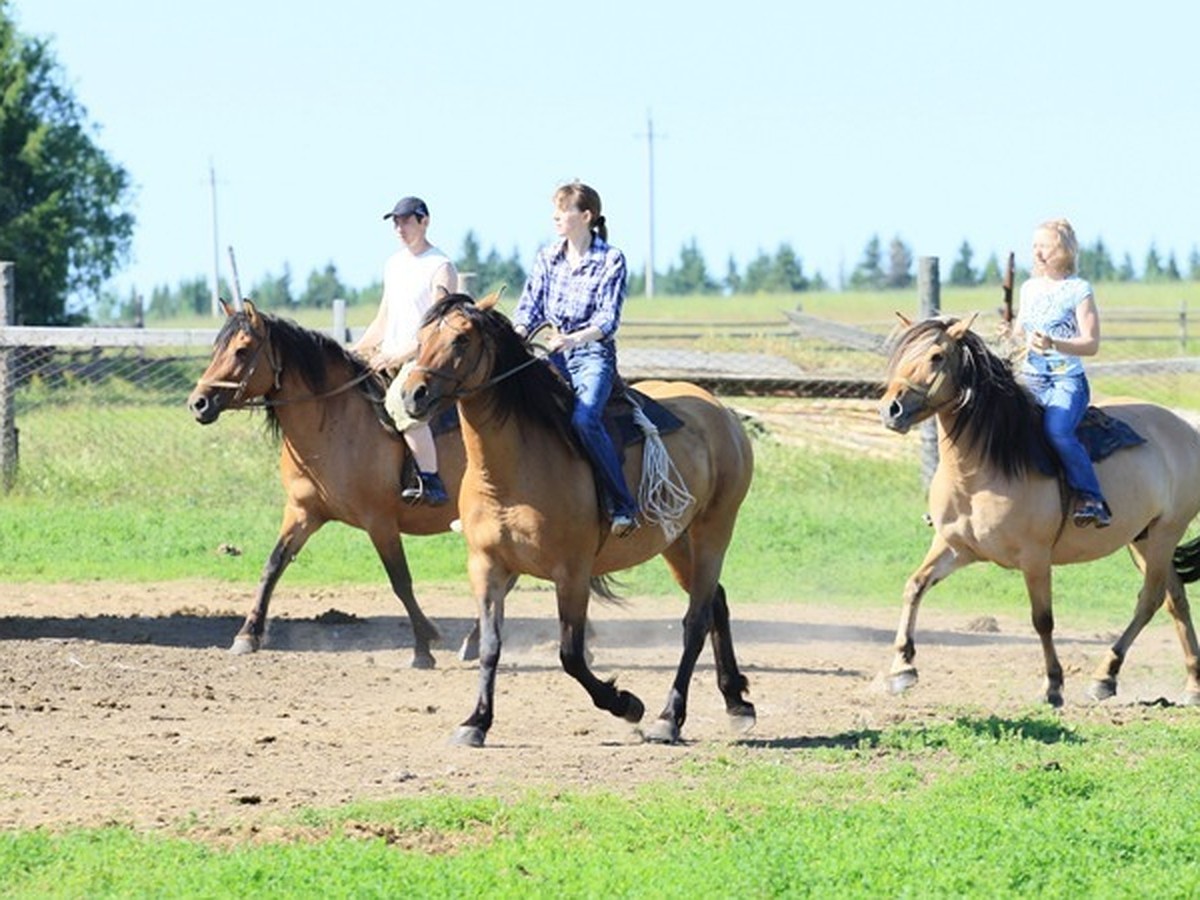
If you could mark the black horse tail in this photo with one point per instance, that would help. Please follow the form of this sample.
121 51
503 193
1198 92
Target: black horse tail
1187 560
604 588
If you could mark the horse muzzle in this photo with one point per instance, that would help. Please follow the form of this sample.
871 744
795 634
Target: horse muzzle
204 408
896 416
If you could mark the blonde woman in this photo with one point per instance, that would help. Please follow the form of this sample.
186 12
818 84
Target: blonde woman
1059 323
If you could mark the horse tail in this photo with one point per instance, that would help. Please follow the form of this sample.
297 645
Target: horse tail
604 589
1187 560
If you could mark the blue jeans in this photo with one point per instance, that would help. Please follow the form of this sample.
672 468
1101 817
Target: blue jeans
591 369
1066 399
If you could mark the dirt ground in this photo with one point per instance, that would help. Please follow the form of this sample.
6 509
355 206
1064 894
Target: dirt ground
120 703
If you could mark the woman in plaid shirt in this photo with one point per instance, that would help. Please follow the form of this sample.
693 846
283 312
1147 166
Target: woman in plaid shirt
578 285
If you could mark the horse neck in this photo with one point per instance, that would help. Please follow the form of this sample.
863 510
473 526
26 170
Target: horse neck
958 455
495 451
304 415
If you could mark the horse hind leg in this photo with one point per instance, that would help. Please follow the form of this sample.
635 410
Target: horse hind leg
1156 572
1181 613
730 681
425 633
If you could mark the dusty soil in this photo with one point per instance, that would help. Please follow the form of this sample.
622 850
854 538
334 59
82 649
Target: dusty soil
120 703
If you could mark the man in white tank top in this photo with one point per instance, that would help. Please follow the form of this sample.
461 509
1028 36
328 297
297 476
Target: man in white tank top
411 279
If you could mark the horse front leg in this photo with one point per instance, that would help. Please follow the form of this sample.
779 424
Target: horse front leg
491 588
294 533
573 596
940 560
391 553
1038 586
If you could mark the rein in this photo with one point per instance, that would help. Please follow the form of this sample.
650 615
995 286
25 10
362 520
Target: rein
239 387
491 382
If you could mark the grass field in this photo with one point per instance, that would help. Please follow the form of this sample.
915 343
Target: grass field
977 806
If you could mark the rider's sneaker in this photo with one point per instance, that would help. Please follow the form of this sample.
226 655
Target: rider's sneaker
1092 511
624 524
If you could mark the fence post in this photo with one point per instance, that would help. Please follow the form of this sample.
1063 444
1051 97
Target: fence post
1183 326
339 321
8 380
929 296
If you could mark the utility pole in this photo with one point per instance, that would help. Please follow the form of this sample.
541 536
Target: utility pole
216 269
650 197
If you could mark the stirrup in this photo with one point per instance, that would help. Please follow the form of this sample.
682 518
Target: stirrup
623 524
429 490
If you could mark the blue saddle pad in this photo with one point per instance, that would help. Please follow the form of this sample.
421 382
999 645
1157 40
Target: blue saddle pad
618 418
1101 436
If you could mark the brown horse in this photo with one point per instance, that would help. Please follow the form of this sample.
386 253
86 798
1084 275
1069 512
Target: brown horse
337 461
529 504
988 500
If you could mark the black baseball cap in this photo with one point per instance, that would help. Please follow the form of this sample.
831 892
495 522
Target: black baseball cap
409 206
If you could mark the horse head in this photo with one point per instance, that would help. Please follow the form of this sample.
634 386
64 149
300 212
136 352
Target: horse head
455 355
242 367
923 371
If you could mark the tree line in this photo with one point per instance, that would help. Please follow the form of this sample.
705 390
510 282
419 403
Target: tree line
65 220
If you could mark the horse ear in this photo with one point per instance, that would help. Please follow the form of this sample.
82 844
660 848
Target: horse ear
441 292
961 327
904 320
229 310
251 311
491 299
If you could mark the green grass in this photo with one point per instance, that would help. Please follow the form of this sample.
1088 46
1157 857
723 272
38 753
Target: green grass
973 806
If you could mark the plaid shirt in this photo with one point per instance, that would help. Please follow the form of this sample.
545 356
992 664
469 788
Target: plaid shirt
572 299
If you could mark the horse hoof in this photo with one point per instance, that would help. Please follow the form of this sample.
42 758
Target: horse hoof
469 651
1054 699
468 736
743 721
662 731
244 645
1102 689
635 711
423 661
899 682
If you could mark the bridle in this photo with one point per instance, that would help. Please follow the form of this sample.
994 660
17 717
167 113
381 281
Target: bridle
264 348
459 393
925 391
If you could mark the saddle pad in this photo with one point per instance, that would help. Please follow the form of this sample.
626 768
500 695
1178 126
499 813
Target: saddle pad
618 417
1101 436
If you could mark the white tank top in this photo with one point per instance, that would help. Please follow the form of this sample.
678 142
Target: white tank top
408 293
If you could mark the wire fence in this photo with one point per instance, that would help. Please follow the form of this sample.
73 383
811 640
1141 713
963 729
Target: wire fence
86 408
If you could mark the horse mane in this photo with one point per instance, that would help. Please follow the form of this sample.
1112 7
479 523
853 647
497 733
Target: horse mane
996 414
535 391
309 353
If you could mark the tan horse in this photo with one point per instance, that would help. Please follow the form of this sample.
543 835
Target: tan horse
529 504
337 462
988 501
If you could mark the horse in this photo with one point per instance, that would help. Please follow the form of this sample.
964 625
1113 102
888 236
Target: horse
529 504
337 461
990 501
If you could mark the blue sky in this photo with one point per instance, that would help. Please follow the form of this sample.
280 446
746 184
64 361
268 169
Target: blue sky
815 124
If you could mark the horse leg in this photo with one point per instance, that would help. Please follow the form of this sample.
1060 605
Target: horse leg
469 650
294 533
573 595
940 561
491 592
1154 570
730 681
1038 586
391 553
1180 610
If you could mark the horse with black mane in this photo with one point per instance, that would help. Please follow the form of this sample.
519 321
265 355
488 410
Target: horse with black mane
529 504
991 500
339 461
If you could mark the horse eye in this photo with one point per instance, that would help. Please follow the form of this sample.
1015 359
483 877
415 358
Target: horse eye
936 359
241 353
460 342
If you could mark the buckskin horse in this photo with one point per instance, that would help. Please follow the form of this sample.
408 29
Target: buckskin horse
990 501
529 504
337 461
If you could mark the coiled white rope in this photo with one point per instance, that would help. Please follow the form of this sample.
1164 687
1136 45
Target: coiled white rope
663 496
